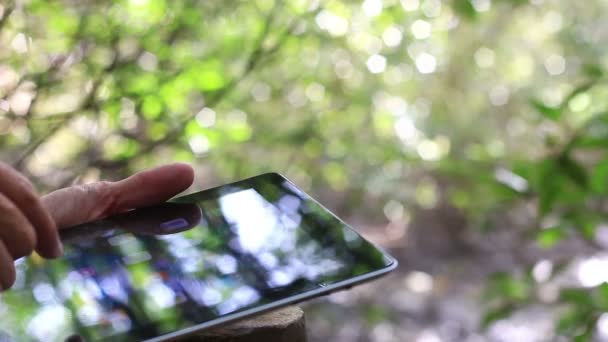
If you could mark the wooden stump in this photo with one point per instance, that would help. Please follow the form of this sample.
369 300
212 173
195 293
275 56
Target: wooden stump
283 325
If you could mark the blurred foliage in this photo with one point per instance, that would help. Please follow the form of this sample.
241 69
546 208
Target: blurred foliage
485 105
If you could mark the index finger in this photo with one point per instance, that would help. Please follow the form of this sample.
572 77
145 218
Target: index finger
152 186
83 203
22 193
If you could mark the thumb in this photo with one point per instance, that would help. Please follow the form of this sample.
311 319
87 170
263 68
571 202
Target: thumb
82 203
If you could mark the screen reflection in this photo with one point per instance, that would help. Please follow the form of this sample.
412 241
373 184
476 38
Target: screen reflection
155 270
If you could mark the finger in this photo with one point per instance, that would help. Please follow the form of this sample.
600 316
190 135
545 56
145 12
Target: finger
21 192
15 230
7 268
83 203
152 186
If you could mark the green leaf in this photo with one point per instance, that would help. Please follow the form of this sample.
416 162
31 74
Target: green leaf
593 70
577 322
587 229
595 133
208 76
465 9
63 22
519 2
584 223
551 113
569 322
599 178
505 286
548 187
584 336
495 314
119 148
573 170
193 128
578 297
157 130
602 296
112 108
375 314
549 237
239 132
142 83
97 27
174 93
152 107
578 90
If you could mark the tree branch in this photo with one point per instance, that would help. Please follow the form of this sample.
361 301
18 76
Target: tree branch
4 19
257 54
18 165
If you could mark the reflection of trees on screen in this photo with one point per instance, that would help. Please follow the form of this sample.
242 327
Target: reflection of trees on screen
21 302
248 268
174 278
103 263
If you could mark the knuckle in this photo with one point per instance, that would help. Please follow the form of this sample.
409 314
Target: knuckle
102 188
28 193
103 196
28 197
96 188
6 206
101 191
15 176
16 180
25 183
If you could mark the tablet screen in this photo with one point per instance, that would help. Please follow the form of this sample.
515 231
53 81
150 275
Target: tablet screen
161 269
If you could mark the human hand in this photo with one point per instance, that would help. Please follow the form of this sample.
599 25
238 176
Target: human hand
29 222
88 202
25 224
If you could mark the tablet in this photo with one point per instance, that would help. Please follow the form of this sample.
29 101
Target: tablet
193 263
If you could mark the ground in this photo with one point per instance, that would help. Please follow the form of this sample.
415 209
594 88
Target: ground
436 294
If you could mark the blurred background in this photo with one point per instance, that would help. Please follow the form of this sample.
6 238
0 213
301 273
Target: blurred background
468 137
